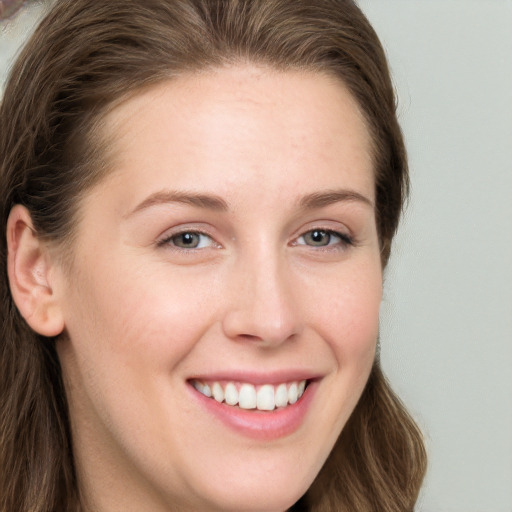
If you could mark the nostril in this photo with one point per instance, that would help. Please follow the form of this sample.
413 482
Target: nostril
249 337
271 339
263 318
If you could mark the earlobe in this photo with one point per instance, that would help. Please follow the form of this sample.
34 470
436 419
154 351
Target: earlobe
29 270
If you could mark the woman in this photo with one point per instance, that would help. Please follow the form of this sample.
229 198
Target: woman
199 198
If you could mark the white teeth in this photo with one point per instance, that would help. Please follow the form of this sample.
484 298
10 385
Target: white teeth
247 397
301 387
231 394
218 392
292 393
266 398
203 388
281 397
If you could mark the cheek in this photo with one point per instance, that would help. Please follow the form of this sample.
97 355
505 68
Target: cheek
140 316
128 334
347 312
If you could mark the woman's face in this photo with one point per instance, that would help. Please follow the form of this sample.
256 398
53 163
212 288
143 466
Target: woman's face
232 251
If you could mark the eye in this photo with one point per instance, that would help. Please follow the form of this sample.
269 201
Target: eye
188 240
323 238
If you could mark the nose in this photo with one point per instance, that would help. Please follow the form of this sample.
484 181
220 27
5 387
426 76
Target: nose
262 306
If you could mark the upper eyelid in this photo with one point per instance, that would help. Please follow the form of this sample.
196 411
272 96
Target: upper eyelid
340 229
344 237
335 227
188 227
170 234
325 230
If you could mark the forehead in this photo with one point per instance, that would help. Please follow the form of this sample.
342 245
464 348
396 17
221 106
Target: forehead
264 124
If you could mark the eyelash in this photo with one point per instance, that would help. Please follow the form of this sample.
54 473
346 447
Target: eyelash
168 241
345 240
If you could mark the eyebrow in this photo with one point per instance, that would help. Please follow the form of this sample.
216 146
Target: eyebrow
328 197
208 201
213 202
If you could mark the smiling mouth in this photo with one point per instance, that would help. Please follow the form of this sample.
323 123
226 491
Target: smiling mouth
266 397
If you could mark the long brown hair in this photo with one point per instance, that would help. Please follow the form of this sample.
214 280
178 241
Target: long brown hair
86 56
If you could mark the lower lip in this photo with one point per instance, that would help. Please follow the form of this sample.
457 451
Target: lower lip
263 425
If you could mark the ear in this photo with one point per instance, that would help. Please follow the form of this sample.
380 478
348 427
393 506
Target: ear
30 271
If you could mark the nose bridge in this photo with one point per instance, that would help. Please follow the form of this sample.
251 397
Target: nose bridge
262 307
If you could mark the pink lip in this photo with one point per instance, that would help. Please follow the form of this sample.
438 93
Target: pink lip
261 425
256 379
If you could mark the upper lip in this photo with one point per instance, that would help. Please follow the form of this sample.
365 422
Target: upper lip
257 378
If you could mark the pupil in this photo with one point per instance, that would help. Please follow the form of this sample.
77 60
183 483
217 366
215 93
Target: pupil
188 239
318 236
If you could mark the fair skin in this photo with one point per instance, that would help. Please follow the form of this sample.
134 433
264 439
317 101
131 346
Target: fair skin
233 242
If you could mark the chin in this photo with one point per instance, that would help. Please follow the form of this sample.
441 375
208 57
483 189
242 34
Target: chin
269 487
255 499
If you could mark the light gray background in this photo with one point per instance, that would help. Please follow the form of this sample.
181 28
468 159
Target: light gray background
447 313
447 316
